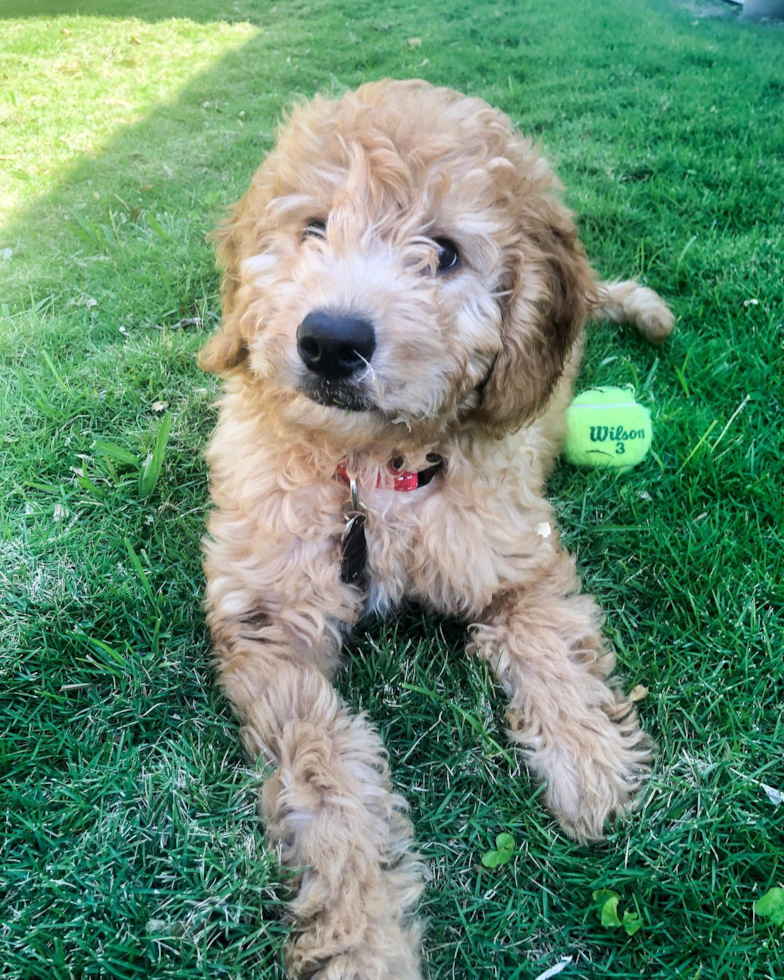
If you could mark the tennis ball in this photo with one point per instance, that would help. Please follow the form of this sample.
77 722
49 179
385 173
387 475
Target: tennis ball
606 427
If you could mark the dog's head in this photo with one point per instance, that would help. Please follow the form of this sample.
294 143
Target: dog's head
400 259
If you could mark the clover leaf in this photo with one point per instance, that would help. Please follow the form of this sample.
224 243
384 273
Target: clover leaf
505 847
607 901
608 907
771 906
632 922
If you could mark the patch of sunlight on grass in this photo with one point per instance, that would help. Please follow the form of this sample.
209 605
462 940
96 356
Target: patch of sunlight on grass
77 80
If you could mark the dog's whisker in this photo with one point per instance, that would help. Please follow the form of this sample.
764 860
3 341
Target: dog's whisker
369 370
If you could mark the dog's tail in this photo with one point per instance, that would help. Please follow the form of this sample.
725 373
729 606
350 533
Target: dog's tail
628 302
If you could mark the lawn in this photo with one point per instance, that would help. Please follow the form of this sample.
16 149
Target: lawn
129 842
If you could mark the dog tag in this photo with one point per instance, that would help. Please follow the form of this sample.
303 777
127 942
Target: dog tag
353 557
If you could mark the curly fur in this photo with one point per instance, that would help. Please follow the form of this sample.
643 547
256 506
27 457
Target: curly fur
476 366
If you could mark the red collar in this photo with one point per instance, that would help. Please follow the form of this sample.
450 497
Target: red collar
404 480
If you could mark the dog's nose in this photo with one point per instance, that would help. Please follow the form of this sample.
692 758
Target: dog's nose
335 346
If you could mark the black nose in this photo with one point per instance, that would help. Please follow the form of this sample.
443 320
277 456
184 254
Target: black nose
335 346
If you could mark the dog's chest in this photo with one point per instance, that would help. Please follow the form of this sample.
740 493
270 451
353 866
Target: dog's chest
394 535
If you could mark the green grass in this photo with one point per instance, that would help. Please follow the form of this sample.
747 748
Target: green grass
129 843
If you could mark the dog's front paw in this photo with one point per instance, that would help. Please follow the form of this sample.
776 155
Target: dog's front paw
584 792
593 773
385 951
357 966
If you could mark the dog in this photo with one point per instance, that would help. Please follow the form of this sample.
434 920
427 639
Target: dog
404 299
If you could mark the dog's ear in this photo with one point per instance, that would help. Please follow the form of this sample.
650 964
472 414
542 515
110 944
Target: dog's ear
549 290
226 350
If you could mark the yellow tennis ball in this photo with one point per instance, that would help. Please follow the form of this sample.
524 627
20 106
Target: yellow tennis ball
607 427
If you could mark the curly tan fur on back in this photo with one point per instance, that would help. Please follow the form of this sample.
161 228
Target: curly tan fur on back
475 365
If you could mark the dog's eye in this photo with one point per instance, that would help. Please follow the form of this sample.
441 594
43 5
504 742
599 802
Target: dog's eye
315 228
448 255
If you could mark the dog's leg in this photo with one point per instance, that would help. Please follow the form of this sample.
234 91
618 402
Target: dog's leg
329 805
579 734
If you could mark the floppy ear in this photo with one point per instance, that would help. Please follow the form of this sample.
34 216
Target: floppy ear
226 350
550 288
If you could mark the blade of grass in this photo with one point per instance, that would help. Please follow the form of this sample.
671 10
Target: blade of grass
151 470
53 369
115 452
139 570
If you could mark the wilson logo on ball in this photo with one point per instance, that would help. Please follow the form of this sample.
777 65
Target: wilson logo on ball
603 433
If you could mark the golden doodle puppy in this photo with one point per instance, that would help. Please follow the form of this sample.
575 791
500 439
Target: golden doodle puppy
404 299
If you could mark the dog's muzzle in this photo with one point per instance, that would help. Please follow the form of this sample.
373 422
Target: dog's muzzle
336 349
348 397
